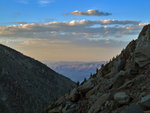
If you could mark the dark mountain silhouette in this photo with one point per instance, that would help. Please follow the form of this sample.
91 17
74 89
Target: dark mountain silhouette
26 85
120 86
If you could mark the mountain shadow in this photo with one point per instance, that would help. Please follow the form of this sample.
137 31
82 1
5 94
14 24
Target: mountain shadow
26 85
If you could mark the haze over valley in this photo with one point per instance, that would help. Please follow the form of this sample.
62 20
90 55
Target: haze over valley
76 71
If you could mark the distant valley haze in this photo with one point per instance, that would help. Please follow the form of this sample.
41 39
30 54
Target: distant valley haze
76 71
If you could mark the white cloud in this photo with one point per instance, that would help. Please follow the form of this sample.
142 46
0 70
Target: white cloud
74 40
81 28
15 23
90 12
40 2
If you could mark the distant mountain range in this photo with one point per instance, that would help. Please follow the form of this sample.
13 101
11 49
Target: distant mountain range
76 71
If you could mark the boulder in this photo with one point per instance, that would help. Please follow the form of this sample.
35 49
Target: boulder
133 109
145 98
97 105
121 98
145 102
112 71
69 108
91 92
118 79
134 71
119 74
60 100
74 95
88 85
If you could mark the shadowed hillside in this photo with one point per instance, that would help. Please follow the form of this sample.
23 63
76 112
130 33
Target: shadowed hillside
26 85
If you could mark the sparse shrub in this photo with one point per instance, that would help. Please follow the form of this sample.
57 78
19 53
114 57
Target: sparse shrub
78 83
96 70
84 80
91 75
102 66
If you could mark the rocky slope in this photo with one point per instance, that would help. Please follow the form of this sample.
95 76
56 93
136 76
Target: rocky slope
120 86
26 85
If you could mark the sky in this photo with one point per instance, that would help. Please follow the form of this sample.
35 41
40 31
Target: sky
71 30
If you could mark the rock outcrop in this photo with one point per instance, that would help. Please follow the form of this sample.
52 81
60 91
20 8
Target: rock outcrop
26 85
120 86
142 50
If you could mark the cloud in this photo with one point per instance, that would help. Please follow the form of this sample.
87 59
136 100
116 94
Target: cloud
40 2
74 40
81 28
47 20
90 12
15 23
62 50
83 43
103 43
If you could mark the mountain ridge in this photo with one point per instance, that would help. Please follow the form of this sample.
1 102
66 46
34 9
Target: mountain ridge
26 85
120 86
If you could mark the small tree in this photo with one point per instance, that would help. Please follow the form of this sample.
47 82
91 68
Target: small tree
84 80
96 70
91 75
102 66
78 83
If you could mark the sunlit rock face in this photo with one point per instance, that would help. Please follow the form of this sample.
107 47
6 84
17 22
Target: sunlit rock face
142 50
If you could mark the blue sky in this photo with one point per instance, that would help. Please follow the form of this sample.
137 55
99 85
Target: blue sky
33 11
63 26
